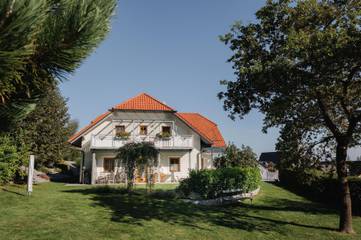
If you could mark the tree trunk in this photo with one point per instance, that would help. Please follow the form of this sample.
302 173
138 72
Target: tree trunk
345 197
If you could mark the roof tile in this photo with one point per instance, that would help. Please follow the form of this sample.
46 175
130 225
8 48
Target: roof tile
143 102
205 127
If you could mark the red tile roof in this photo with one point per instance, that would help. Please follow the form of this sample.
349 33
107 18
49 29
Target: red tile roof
86 128
143 102
205 127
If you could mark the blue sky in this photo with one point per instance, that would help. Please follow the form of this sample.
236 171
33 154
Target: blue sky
169 49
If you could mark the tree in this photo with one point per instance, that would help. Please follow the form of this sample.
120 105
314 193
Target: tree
235 157
41 41
70 154
297 154
46 129
300 64
138 156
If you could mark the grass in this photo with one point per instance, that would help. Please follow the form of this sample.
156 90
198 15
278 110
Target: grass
55 211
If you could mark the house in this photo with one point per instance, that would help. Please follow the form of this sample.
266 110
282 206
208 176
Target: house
185 140
267 164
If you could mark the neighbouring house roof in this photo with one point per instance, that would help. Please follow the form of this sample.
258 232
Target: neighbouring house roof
143 102
207 129
273 157
204 127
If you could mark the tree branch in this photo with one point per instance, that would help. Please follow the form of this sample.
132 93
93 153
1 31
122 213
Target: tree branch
333 128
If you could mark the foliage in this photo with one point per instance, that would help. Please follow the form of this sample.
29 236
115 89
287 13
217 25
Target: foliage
300 66
142 157
42 41
9 159
164 135
123 135
320 186
235 157
69 153
46 129
213 183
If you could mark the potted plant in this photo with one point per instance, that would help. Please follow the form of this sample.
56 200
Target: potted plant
122 135
164 135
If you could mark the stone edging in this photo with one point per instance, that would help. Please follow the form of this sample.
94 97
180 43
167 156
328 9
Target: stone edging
224 200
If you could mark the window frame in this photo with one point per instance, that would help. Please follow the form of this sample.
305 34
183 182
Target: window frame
141 131
111 167
179 164
169 127
119 126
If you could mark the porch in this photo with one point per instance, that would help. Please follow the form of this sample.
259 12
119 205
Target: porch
173 166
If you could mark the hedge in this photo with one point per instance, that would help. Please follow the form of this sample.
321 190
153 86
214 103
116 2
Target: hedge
318 186
213 183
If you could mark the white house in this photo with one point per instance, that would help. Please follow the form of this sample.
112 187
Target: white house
185 140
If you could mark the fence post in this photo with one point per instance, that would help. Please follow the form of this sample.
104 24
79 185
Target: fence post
30 174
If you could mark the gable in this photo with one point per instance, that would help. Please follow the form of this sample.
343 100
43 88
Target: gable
143 102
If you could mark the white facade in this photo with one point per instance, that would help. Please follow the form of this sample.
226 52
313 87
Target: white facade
185 145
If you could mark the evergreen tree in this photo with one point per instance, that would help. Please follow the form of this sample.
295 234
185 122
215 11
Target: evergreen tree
41 41
46 129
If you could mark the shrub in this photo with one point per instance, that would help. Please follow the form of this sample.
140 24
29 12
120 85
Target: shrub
9 160
319 186
213 183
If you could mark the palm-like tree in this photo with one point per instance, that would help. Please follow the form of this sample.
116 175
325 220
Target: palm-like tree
41 43
138 156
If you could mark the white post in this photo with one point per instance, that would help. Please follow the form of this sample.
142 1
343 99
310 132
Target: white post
189 162
94 168
30 174
158 167
81 168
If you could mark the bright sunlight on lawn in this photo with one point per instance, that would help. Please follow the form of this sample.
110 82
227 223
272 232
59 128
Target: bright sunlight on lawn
56 211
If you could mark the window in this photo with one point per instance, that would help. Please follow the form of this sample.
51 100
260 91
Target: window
108 164
174 164
143 130
166 130
119 129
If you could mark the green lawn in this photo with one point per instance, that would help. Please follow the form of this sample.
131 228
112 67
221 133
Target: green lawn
55 211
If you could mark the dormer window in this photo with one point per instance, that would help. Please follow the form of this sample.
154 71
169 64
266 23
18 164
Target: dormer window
143 130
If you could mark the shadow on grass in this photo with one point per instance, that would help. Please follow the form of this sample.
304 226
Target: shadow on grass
138 207
13 192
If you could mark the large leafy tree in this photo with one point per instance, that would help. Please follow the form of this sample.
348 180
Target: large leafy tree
46 129
300 64
41 41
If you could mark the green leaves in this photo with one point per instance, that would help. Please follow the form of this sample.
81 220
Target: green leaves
9 159
42 41
213 183
142 156
235 157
